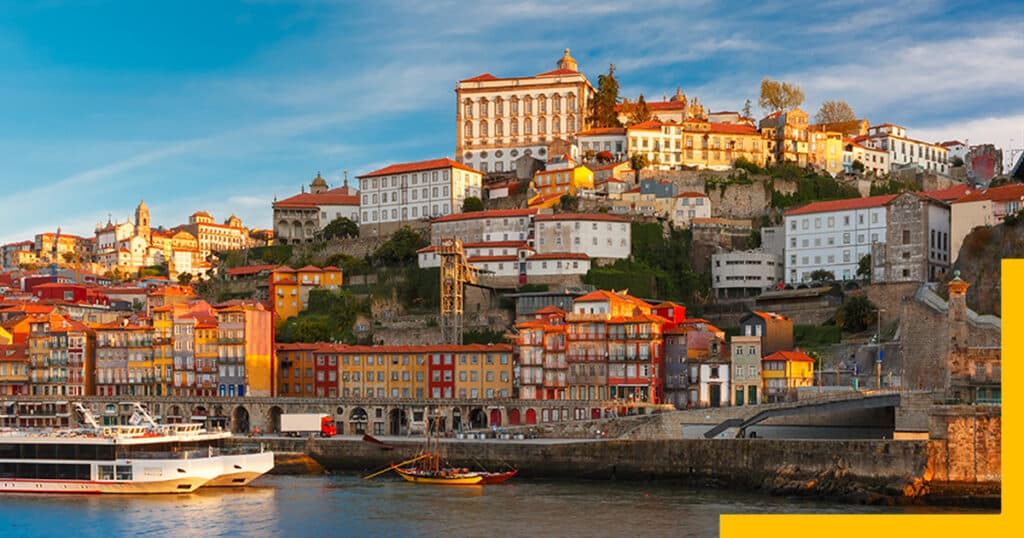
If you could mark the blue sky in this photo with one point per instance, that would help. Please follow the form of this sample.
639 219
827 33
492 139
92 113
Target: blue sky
219 106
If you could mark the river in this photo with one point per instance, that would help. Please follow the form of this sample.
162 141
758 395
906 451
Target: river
345 505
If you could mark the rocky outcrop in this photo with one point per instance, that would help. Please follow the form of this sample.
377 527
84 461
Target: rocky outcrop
980 262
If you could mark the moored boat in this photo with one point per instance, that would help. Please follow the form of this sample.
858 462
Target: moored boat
150 458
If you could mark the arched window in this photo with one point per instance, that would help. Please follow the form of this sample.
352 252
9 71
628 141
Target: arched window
570 125
499 128
467 107
542 104
499 107
528 104
542 125
514 127
556 124
528 126
467 129
483 108
556 103
483 128
571 102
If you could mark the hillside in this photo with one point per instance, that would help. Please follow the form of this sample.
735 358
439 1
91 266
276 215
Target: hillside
980 264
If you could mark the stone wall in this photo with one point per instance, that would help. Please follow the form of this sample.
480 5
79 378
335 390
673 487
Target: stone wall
965 444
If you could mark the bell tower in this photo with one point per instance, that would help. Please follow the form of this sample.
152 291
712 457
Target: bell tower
142 224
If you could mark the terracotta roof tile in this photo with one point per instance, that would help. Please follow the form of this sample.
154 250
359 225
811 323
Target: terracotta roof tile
432 164
490 214
580 216
789 356
842 205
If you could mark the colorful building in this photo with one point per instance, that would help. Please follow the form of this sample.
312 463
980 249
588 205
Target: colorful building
783 372
289 288
561 181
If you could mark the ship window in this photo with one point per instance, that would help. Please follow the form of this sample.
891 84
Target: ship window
124 472
105 472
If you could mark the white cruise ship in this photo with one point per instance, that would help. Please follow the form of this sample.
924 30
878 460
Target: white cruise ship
143 458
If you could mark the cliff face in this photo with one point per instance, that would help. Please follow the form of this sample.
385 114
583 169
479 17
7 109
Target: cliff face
980 263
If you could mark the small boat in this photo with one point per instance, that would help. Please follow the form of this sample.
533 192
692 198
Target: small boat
443 477
498 478
374 441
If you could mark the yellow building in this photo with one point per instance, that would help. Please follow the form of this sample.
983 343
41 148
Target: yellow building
163 357
783 372
14 371
245 349
562 181
787 135
289 288
826 150
483 373
695 143
207 338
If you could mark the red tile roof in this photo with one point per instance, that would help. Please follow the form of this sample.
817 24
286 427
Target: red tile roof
481 77
648 125
491 214
611 166
250 270
1004 193
842 205
560 256
603 131
432 164
476 259
309 199
732 128
557 72
692 194
309 269
788 356
949 194
580 216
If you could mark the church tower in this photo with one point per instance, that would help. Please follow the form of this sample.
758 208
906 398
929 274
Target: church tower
142 224
319 184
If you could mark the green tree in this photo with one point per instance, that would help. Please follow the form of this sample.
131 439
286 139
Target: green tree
746 109
864 267
472 204
602 111
823 275
568 203
185 279
400 248
638 112
340 227
856 314
638 161
835 112
779 96
858 166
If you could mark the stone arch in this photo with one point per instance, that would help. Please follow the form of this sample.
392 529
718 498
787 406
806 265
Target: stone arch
457 418
514 418
240 420
199 411
477 418
496 417
358 418
531 416
296 234
275 419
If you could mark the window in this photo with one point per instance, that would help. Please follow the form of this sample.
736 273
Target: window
906 237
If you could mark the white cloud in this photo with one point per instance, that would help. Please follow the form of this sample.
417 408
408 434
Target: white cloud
1006 133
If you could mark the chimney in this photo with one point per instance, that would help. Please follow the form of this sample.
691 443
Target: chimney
957 314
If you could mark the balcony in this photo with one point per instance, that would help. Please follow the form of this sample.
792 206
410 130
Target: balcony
232 340
586 357
587 336
161 340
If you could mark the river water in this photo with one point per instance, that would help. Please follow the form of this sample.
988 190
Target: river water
344 505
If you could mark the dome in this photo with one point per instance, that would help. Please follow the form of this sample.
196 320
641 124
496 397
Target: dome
318 185
567 62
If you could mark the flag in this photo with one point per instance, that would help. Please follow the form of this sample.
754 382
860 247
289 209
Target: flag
136 419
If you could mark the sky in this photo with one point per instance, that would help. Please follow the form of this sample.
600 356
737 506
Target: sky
221 106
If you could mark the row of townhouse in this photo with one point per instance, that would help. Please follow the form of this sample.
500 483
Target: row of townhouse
185 349
907 236
612 346
323 370
526 242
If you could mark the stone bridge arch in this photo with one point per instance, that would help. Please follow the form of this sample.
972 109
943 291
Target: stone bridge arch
240 420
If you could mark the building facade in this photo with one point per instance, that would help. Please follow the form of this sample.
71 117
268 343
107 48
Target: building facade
409 192
745 353
299 218
498 120
906 152
745 273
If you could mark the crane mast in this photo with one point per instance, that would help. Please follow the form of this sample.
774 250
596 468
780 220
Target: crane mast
455 274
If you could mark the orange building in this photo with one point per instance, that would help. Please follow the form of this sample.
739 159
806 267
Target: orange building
289 288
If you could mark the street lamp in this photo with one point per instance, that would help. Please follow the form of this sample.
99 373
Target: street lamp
878 342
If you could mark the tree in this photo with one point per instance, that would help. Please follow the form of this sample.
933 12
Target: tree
746 109
340 227
957 161
472 204
858 166
638 112
779 96
835 112
568 203
400 248
864 267
637 162
602 111
185 279
822 275
856 314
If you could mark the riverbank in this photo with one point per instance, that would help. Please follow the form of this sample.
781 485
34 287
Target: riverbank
873 472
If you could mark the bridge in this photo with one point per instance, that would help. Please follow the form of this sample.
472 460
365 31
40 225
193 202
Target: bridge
845 402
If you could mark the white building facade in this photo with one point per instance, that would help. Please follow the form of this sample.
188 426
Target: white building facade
833 236
408 192
905 151
745 273
875 161
501 119
689 206
595 234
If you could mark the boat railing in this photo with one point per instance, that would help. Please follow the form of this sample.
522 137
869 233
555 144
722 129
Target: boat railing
199 453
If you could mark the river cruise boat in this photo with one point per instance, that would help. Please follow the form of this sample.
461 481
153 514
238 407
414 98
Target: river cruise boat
144 457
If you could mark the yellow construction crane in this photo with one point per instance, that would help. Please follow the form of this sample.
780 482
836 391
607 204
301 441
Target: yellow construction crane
455 274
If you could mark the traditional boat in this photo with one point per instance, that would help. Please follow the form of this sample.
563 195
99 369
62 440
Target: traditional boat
431 471
144 457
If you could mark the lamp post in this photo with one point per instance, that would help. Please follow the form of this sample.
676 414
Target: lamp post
878 356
